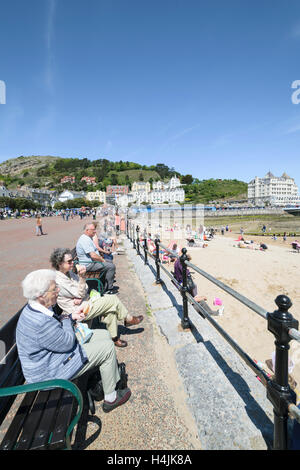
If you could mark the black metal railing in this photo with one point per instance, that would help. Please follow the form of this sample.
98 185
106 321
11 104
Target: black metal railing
280 322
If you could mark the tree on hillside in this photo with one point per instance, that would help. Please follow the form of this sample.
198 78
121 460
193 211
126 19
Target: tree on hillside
114 179
162 170
187 179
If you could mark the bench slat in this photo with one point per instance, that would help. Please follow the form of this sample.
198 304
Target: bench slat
12 434
32 421
63 419
45 427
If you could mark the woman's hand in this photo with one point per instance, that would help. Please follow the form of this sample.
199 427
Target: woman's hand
78 315
81 270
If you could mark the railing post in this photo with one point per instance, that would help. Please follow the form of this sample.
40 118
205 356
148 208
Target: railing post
185 323
278 390
133 236
138 239
127 232
157 261
131 232
145 247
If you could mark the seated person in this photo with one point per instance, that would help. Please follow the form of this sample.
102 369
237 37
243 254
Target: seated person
106 245
48 348
192 288
104 249
150 244
174 247
164 256
73 296
89 256
263 247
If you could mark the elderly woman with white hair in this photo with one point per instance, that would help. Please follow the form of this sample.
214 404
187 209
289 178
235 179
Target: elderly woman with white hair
48 348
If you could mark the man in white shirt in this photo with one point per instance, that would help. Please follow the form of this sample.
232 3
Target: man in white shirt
89 256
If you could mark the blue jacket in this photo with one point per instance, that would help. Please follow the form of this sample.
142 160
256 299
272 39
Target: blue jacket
48 348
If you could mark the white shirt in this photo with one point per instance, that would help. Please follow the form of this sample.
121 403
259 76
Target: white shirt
41 308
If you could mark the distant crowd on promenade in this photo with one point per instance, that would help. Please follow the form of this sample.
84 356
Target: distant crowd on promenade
30 213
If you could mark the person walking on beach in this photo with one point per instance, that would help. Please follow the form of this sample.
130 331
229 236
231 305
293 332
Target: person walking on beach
38 227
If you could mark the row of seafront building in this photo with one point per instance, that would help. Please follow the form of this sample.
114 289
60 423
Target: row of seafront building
270 190
161 192
171 192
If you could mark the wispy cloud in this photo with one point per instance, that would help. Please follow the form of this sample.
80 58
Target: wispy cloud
49 37
178 135
184 132
293 129
295 32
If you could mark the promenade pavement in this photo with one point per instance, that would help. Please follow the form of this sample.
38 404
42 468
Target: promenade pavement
21 251
156 416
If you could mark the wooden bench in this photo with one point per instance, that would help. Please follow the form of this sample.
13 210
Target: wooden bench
93 278
48 412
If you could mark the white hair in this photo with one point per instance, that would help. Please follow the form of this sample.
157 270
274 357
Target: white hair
37 283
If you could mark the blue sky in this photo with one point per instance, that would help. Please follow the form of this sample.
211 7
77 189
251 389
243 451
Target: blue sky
204 87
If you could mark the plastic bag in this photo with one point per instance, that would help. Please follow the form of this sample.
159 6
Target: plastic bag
83 333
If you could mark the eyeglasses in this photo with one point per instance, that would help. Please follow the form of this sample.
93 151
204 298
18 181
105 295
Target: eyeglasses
54 290
69 261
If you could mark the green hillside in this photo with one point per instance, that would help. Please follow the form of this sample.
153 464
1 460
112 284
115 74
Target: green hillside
129 176
215 190
47 171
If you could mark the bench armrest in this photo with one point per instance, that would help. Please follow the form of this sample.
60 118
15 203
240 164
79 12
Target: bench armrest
49 385
99 283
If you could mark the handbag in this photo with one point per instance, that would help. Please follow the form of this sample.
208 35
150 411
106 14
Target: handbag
83 332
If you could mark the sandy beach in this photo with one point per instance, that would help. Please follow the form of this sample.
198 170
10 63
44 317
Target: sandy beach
261 277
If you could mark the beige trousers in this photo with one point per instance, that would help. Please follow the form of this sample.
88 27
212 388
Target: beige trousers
101 352
111 309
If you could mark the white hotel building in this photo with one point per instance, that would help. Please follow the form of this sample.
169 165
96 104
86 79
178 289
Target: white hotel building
162 192
277 191
96 196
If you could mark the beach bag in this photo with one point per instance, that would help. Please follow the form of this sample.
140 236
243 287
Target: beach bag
83 332
94 294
